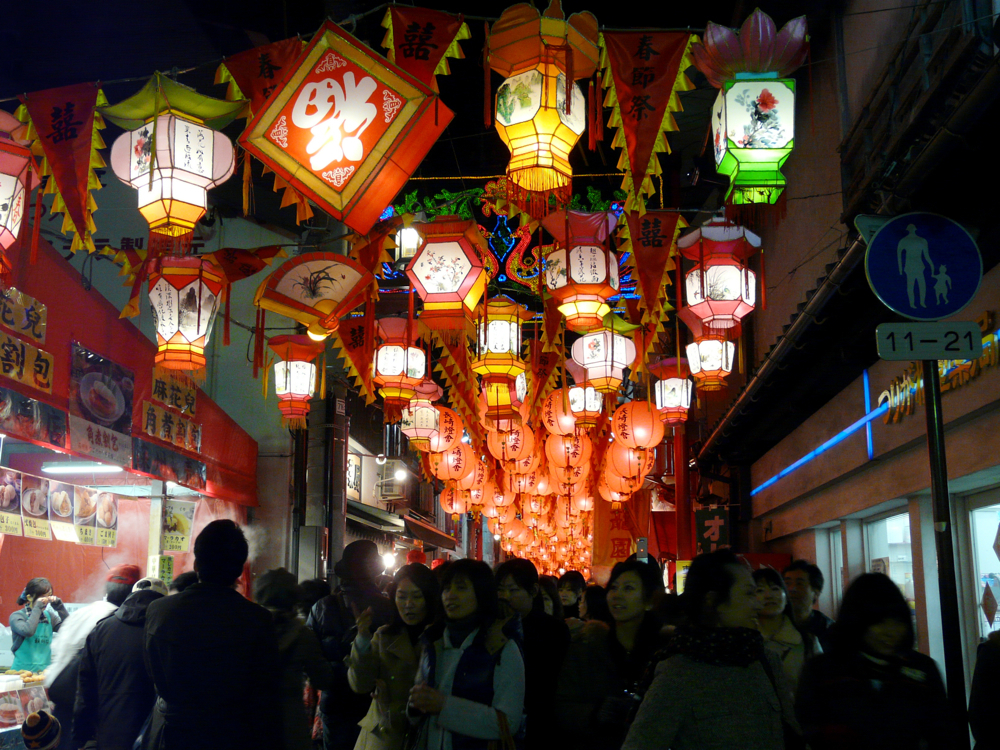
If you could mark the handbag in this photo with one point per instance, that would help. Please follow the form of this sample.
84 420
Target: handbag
506 741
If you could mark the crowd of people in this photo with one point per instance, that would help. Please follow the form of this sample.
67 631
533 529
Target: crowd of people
465 657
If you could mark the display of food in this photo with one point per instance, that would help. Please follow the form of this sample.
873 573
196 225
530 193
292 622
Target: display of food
61 503
33 501
101 401
177 523
10 713
107 512
86 503
8 496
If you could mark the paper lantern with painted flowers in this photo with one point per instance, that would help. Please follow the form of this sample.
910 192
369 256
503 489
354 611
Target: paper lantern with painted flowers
604 355
397 366
315 289
540 111
711 360
672 390
294 376
184 295
512 445
637 425
568 450
172 153
420 418
453 464
346 127
16 180
753 120
557 415
447 271
581 273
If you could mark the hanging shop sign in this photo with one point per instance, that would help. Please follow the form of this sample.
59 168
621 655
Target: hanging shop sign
10 502
712 528
25 363
354 477
170 427
23 315
163 463
346 127
178 519
28 419
174 389
100 407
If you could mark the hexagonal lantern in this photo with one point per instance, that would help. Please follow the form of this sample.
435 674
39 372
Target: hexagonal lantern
604 355
673 389
582 272
710 359
184 294
397 366
498 360
421 419
295 376
446 271
502 400
15 184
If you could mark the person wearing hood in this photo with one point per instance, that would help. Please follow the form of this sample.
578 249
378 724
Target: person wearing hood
333 620
114 693
299 651
67 645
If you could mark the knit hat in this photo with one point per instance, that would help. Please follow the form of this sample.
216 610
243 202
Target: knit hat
416 556
277 589
124 574
151 583
41 731
360 562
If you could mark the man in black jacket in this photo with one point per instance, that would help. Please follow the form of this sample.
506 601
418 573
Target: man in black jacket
332 619
213 656
114 693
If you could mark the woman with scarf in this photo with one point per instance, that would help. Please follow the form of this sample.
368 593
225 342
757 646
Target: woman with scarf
32 627
598 686
777 624
470 686
717 687
385 664
872 689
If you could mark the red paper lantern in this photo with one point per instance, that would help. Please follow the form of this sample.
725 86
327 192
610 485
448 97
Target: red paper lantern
449 431
518 442
295 376
624 461
637 425
610 495
453 464
568 450
184 294
475 480
570 474
453 501
525 464
557 417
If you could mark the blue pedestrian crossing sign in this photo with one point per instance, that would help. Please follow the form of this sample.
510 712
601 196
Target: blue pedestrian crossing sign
923 266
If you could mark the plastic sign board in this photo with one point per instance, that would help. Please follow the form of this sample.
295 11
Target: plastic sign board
346 127
923 266
910 341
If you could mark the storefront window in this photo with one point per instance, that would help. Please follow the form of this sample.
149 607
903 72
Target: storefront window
836 575
887 550
985 522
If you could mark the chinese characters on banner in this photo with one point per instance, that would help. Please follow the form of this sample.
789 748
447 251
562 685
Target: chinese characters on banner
100 407
23 315
170 427
711 528
420 40
10 502
25 364
161 462
174 389
652 236
178 520
612 535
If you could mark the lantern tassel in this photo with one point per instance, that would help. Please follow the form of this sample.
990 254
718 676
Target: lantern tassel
247 182
763 282
225 329
487 103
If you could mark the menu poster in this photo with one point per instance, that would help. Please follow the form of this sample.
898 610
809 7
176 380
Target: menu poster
35 507
84 514
10 503
100 406
163 463
178 519
175 389
171 427
26 418
11 711
107 519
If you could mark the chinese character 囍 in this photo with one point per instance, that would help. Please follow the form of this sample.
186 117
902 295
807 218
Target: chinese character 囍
651 233
64 127
357 337
417 41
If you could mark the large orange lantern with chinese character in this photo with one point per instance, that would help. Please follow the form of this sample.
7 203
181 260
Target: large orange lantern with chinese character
581 273
447 271
568 450
295 376
397 366
453 464
527 463
513 445
346 127
453 501
449 431
637 425
184 295
540 111
557 415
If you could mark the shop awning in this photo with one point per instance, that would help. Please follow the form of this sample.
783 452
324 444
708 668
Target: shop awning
377 518
431 536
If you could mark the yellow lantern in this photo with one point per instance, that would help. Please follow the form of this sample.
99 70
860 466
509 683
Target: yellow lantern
498 360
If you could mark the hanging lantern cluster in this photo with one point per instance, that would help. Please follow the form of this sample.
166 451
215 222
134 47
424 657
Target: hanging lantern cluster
753 120
582 272
604 355
295 376
498 361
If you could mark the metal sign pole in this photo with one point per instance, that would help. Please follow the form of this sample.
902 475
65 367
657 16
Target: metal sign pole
951 628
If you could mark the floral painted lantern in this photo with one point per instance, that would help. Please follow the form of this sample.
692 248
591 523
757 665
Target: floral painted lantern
753 120
720 289
604 355
637 425
397 366
172 153
295 376
581 273
15 184
184 294
672 391
447 273
315 289
540 111
711 359
421 419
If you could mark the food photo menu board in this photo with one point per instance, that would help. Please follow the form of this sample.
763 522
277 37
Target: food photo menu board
35 507
10 502
100 407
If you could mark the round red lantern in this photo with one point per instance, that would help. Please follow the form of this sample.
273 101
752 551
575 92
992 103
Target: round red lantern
452 464
453 501
512 445
568 450
477 477
525 464
637 425
449 431
557 416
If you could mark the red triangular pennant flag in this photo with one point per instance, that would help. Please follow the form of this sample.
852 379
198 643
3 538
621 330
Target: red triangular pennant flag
420 40
258 71
652 236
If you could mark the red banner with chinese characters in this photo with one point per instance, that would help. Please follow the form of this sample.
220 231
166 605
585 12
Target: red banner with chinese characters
356 343
257 72
346 128
63 121
420 41
613 541
647 71
652 238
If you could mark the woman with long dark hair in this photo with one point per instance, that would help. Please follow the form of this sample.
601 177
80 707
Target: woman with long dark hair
385 664
470 686
872 689
776 622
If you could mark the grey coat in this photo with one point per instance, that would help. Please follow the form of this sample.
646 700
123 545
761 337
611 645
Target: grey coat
696 706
